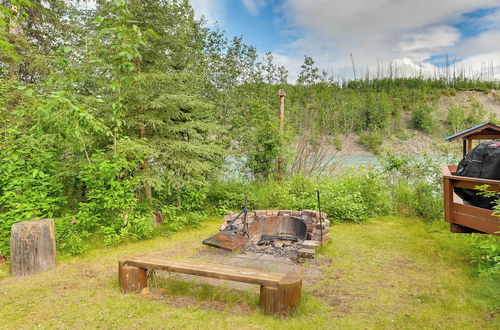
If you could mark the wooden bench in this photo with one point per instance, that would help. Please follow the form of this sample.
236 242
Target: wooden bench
279 293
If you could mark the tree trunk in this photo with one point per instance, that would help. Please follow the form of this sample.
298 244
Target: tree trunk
32 247
148 194
145 165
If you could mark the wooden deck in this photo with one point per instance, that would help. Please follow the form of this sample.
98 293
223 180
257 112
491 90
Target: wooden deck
467 218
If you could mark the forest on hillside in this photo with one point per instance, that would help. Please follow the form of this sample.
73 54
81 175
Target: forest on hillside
130 110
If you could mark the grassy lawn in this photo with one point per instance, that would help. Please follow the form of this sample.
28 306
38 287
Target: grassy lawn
387 273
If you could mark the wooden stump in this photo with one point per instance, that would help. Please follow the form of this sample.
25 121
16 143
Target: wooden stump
32 247
132 279
283 299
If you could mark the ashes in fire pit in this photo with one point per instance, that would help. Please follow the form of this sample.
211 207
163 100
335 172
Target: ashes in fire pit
292 234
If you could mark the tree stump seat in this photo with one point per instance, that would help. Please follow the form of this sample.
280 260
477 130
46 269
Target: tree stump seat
279 293
32 247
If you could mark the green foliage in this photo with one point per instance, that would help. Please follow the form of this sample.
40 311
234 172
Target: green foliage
267 144
415 186
29 188
131 108
372 140
227 195
461 118
309 73
355 197
110 203
422 119
351 197
485 255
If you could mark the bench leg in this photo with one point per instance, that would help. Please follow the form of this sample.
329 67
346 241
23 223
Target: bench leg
132 279
281 300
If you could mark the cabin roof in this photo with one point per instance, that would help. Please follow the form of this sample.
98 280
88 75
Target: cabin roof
486 131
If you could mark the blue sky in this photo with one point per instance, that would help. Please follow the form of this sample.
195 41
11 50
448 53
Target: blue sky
415 34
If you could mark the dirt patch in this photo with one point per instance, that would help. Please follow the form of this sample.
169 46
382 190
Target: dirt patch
331 291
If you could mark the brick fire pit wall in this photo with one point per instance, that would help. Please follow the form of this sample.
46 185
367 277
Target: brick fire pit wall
310 218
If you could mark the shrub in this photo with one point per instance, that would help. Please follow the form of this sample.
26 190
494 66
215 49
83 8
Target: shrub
29 188
485 254
372 141
421 118
415 186
461 118
354 197
226 195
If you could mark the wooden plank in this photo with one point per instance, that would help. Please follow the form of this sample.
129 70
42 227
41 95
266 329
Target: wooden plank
476 218
478 181
484 136
472 185
223 272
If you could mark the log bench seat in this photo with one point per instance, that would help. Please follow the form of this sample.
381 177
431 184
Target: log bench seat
279 293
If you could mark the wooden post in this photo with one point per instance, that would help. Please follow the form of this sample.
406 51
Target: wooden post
132 279
281 114
283 299
469 145
281 119
464 147
32 247
14 30
448 200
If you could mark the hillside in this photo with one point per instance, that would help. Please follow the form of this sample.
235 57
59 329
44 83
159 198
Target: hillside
415 142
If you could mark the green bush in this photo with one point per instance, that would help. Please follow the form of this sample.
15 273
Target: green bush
372 141
415 186
485 254
421 118
461 118
420 199
354 196
29 188
226 195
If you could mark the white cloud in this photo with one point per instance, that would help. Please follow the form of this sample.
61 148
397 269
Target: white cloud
254 6
437 37
212 10
403 31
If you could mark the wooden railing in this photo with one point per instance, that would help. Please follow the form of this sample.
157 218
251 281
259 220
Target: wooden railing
457 213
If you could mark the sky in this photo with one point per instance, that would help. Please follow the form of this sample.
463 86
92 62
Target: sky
417 36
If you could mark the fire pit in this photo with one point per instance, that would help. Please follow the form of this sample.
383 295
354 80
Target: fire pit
291 234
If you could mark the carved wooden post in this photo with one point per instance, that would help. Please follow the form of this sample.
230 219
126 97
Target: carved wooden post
32 247
281 114
281 300
14 30
281 118
132 279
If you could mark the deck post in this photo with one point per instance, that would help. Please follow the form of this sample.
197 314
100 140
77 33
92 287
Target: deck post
448 199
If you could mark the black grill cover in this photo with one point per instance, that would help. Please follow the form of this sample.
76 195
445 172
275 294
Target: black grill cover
481 162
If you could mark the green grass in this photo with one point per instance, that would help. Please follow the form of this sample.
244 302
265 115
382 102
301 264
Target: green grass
387 273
